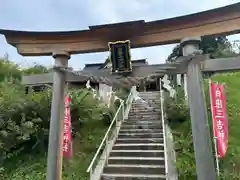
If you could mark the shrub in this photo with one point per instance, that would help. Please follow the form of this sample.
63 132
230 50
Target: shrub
24 119
176 109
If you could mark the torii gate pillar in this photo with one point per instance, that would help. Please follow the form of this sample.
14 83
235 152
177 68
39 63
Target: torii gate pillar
200 129
54 162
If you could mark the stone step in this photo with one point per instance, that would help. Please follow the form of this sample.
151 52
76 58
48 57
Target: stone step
154 120
137 153
139 141
149 101
149 92
146 115
131 177
141 126
136 160
145 108
139 146
144 119
134 111
157 118
155 93
140 135
140 130
143 112
146 100
139 107
134 169
148 104
143 115
145 105
142 122
147 97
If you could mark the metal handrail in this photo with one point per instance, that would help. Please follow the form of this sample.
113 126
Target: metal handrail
105 139
163 127
129 100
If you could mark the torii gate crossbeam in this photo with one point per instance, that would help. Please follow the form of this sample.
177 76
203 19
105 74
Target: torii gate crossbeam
224 20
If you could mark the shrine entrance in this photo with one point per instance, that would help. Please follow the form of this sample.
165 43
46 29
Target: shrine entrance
153 86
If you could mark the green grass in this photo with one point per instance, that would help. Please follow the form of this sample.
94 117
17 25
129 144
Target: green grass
30 167
229 165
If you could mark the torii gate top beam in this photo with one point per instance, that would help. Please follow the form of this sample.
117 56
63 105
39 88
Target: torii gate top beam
224 20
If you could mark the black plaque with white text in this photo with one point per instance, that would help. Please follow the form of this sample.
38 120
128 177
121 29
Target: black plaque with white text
120 56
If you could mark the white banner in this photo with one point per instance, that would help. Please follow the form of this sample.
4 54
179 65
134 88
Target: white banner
105 93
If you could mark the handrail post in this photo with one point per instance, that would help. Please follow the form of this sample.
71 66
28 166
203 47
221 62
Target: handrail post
117 124
90 174
115 133
106 141
123 107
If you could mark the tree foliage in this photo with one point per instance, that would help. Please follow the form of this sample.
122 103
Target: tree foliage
9 69
216 46
36 69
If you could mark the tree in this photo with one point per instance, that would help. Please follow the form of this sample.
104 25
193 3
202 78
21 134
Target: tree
9 70
36 69
215 46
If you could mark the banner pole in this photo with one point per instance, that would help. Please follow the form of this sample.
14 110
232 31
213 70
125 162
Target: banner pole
214 137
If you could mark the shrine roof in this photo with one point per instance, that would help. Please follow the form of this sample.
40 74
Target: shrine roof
99 65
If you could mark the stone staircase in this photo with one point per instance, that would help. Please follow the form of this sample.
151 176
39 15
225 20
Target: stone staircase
138 153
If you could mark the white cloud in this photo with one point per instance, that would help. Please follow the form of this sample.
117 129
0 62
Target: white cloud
74 14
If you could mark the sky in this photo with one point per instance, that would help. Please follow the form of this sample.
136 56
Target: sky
65 15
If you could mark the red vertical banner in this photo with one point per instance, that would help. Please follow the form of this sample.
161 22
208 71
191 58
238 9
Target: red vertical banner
220 119
67 134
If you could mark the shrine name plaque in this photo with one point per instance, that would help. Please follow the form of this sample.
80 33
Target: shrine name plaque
120 56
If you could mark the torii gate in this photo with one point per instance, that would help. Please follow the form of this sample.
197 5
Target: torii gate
61 45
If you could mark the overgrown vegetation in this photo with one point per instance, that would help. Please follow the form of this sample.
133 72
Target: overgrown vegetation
215 46
24 125
179 119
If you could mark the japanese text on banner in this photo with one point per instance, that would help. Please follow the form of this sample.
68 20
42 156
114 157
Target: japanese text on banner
220 121
67 134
